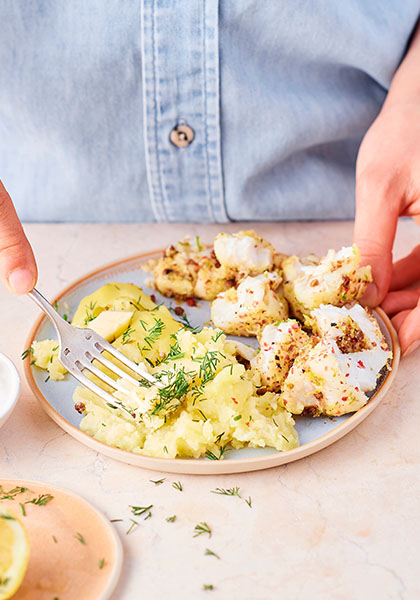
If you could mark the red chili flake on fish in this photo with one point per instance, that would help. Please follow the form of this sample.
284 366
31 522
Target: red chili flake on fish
360 364
235 401
344 398
191 302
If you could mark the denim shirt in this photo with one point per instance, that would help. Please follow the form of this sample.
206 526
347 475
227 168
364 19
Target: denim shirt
275 95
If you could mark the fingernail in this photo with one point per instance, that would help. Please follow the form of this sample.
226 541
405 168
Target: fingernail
370 297
412 347
21 281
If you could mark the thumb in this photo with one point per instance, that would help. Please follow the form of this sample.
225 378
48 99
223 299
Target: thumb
17 263
374 231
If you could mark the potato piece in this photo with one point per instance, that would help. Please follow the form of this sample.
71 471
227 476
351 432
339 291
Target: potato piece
45 355
110 324
112 296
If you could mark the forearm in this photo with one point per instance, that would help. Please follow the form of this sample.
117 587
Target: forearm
405 87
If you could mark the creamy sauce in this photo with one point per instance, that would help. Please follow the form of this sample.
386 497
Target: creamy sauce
8 385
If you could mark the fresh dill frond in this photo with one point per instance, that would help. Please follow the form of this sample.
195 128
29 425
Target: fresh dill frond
80 537
201 528
209 552
177 485
42 500
227 492
157 481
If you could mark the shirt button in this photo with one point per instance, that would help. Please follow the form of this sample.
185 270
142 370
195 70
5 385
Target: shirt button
181 135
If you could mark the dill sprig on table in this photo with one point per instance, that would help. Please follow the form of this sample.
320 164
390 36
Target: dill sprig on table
227 492
209 552
249 501
202 528
133 525
141 510
177 485
157 481
171 519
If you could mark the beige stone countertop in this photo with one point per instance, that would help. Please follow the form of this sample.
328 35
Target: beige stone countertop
342 524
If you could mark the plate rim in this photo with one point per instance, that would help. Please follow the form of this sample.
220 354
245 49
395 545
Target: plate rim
193 465
119 552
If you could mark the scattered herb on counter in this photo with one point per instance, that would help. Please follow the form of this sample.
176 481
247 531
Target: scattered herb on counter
202 528
157 481
133 525
208 587
80 537
26 353
177 485
249 502
141 510
227 492
209 552
42 500
101 563
171 519
115 520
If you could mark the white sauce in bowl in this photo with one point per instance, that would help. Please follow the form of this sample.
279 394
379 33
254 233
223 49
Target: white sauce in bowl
9 388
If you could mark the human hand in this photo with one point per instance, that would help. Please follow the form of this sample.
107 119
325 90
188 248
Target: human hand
388 186
17 263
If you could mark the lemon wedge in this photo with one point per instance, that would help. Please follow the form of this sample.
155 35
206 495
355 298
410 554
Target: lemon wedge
14 553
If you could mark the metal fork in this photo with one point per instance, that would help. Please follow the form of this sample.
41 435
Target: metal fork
80 347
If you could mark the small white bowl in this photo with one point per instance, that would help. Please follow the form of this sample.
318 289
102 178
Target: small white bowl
9 388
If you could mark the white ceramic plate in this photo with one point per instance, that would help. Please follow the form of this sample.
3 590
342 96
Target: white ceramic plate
56 397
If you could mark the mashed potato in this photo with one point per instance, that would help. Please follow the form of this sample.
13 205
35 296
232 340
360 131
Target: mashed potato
209 400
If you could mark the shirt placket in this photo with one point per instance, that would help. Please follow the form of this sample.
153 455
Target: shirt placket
180 53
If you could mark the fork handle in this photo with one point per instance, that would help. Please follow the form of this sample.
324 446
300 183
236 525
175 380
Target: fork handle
48 309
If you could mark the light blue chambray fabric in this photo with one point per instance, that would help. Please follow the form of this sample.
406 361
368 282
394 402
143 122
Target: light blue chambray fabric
278 92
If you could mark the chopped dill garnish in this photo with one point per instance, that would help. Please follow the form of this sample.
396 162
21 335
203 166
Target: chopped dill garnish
80 537
55 539
202 528
227 492
157 481
47 379
153 334
101 563
208 365
208 587
249 501
217 336
237 418
141 510
11 494
115 520
55 348
209 552
89 316
22 508
165 449
209 454
178 385
275 423
126 336
183 320
202 414
171 519
177 485
42 500
27 352
219 438
284 437
7 517
132 526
